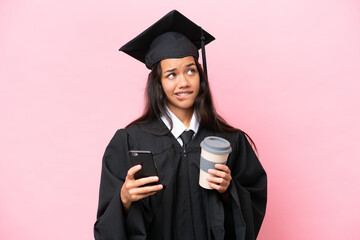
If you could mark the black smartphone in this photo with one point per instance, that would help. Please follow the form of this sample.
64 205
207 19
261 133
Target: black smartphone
146 160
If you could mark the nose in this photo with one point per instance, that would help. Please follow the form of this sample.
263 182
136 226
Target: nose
183 81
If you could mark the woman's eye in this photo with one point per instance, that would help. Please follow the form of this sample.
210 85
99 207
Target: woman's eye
171 76
191 71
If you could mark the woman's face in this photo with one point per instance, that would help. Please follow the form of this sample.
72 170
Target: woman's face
180 80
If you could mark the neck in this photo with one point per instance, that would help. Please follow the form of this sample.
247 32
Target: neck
183 115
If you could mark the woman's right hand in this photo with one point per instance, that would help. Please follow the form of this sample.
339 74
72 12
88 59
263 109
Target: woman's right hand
132 189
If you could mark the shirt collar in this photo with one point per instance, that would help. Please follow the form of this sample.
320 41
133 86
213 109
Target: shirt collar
178 126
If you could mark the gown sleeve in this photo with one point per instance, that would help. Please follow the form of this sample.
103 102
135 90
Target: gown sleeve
112 222
248 190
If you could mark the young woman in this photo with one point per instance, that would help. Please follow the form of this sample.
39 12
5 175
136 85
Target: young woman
179 102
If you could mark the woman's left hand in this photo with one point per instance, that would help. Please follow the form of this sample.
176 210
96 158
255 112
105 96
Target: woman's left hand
221 179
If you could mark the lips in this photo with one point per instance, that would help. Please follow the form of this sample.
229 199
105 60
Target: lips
181 95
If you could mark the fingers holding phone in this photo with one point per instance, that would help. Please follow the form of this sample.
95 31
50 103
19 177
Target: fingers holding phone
144 183
141 180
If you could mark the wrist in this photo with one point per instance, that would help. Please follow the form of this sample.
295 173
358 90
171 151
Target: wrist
125 202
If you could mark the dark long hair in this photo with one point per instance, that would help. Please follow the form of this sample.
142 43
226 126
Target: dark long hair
203 105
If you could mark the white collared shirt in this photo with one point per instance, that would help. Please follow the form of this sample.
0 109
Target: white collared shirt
179 127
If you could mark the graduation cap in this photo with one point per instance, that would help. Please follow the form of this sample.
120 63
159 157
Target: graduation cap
173 36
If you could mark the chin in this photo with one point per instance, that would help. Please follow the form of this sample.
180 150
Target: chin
185 107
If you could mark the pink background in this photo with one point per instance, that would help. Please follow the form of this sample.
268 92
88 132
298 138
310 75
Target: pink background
286 72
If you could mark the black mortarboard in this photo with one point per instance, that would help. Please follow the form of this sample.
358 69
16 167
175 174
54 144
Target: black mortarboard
173 36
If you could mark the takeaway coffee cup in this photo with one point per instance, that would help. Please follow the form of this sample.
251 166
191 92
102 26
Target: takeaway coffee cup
213 150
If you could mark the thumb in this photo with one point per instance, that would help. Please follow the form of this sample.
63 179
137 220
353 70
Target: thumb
132 171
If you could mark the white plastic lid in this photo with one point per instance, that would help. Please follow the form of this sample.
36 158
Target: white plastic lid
216 145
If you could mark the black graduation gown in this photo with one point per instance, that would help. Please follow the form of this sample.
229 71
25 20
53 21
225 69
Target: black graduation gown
182 209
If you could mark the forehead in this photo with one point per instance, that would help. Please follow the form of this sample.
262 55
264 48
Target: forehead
171 63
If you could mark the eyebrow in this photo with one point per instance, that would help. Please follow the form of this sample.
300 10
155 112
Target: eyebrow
170 70
173 69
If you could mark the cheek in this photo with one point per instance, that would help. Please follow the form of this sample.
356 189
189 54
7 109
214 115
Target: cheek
166 87
197 85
